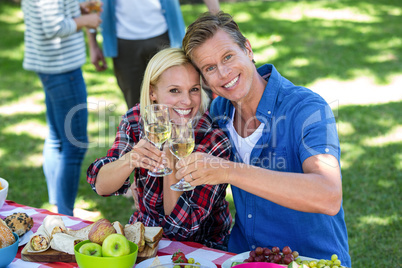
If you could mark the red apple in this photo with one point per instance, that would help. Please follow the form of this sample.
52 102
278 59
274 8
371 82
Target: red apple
100 230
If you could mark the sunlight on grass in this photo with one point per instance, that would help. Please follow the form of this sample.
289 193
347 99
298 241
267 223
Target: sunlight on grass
345 93
398 161
11 15
307 11
380 45
32 104
351 153
299 62
375 220
386 183
345 128
243 17
34 160
13 53
2 152
393 136
32 129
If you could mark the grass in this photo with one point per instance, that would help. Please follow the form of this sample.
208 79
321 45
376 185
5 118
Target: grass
308 42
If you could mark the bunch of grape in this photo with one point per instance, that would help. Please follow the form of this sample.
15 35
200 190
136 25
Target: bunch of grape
274 255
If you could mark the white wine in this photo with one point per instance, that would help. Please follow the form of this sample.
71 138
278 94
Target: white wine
157 134
182 149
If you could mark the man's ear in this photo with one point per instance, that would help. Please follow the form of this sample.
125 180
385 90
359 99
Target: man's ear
249 50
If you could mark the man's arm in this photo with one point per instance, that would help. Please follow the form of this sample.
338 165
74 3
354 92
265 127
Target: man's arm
95 52
317 190
213 6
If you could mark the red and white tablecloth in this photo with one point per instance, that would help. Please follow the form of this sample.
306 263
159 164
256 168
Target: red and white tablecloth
166 247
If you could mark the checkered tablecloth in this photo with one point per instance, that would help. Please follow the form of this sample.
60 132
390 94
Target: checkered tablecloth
166 247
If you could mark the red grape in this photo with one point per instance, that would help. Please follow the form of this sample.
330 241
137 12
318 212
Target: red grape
286 250
277 258
267 251
259 251
275 250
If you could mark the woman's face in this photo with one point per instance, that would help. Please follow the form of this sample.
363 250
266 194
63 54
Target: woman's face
179 87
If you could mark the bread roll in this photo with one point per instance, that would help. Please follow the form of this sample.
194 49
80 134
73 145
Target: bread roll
6 235
19 223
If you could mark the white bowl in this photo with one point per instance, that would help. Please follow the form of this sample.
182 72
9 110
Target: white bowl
3 192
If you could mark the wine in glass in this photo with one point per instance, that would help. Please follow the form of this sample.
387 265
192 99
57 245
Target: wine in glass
181 144
157 130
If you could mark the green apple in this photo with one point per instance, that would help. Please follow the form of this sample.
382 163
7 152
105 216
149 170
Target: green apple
115 245
91 249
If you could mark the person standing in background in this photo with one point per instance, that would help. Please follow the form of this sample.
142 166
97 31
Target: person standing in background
133 32
55 50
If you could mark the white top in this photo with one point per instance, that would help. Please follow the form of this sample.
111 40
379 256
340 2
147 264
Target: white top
139 19
244 146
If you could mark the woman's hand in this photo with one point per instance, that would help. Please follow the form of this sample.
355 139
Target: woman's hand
146 155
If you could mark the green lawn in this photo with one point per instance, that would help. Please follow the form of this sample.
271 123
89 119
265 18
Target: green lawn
345 42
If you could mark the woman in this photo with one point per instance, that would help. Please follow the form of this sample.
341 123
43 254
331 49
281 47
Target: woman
201 215
55 50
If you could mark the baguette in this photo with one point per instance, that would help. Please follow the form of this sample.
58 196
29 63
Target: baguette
153 234
136 234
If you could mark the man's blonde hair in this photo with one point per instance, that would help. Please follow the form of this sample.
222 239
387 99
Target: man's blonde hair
160 62
205 27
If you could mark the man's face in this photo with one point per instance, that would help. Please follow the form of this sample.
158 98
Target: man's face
227 68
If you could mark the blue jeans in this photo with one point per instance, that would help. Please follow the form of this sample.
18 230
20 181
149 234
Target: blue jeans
66 144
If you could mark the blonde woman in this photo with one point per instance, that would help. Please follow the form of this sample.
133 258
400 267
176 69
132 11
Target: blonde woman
201 215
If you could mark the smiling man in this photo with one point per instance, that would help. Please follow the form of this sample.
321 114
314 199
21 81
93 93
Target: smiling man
285 164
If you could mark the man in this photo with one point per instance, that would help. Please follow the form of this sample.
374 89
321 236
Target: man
133 31
284 170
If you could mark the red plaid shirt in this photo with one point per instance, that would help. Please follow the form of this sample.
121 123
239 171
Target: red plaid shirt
201 215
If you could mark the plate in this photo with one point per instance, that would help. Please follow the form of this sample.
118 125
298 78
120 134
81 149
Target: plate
168 259
25 238
242 256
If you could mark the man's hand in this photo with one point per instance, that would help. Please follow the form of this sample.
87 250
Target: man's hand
204 169
97 58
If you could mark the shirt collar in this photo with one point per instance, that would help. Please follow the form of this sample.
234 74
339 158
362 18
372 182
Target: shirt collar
266 107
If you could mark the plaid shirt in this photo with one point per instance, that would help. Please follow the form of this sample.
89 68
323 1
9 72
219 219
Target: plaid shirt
201 215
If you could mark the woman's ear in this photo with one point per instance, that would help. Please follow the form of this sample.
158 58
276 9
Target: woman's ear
152 95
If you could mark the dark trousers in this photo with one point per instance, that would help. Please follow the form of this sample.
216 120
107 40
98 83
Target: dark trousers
130 64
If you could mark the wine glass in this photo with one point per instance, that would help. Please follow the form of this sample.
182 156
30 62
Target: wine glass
181 144
157 130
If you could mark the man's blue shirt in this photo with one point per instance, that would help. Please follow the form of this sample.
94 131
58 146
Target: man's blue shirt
298 124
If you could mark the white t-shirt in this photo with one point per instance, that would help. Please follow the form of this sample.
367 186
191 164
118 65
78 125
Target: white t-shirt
139 19
244 146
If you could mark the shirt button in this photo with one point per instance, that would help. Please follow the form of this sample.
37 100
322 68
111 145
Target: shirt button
269 112
250 216
326 150
253 246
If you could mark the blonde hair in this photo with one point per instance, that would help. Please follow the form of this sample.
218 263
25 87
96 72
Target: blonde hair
206 26
159 63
